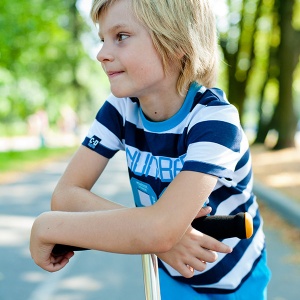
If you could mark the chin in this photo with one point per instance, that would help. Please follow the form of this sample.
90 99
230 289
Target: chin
120 93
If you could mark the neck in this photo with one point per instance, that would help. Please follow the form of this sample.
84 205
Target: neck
161 107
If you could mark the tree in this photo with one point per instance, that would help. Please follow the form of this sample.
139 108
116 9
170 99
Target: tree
286 56
43 63
237 42
285 119
261 48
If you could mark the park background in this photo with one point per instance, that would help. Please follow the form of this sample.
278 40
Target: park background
51 87
50 79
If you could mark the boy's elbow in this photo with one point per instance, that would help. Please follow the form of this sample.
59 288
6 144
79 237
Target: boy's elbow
164 244
57 201
163 240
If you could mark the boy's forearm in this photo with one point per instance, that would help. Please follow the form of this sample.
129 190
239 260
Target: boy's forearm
99 230
77 199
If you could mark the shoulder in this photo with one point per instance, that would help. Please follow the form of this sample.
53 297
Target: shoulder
118 105
212 104
211 97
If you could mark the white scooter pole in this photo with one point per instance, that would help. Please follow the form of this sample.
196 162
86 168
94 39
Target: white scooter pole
151 277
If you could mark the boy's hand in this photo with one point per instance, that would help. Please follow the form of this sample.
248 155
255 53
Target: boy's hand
194 250
41 252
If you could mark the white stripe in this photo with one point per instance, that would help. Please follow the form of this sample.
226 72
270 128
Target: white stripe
225 113
212 153
243 172
231 203
102 132
127 109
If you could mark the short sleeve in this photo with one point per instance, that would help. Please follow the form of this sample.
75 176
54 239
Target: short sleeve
105 134
214 139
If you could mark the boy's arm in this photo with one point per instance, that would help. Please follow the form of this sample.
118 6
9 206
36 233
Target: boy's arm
72 192
129 230
153 229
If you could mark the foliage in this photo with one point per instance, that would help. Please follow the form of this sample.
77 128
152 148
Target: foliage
43 63
261 43
18 161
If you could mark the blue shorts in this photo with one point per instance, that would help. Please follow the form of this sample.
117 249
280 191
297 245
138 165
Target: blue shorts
255 287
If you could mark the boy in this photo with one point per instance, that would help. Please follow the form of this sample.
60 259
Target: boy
184 147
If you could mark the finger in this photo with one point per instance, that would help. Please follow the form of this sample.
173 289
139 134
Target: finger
204 211
57 258
196 264
58 262
210 243
185 270
54 267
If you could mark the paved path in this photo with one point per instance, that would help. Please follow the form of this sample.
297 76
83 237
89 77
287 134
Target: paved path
90 275
93 275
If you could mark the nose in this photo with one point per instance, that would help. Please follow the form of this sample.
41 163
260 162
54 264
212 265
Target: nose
104 54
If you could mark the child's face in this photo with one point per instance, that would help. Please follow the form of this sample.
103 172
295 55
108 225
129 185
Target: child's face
128 56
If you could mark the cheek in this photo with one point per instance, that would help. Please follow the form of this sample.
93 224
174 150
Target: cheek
147 67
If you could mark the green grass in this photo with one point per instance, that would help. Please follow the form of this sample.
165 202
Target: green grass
19 161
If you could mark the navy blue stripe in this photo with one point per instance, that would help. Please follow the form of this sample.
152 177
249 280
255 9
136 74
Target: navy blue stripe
220 195
219 132
223 193
109 117
100 149
135 100
242 185
206 168
213 97
243 160
155 143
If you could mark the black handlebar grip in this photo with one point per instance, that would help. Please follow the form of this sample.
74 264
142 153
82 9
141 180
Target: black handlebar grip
223 227
219 227
59 249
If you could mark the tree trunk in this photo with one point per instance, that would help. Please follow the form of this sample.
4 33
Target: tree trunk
284 116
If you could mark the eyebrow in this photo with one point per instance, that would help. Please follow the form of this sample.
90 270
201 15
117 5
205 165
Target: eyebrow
114 28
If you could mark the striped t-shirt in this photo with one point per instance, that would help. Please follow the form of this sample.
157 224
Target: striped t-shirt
205 136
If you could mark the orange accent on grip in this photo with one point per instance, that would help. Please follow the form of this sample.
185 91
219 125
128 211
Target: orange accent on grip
248 225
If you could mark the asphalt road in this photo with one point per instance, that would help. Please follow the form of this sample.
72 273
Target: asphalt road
94 275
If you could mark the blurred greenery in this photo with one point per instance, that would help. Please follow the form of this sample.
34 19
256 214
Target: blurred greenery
43 63
46 64
18 161
260 41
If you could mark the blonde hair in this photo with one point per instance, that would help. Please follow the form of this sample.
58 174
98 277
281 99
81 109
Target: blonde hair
180 29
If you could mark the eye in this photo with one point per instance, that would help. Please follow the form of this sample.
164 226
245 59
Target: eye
122 36
101 40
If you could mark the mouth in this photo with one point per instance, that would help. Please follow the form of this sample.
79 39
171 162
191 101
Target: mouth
113 74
